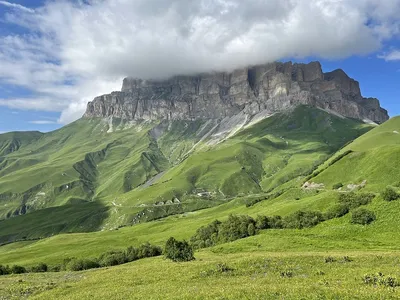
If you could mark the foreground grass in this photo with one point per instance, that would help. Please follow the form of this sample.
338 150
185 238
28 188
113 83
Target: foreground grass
256 275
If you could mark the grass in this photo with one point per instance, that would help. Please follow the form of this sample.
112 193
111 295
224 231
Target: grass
375 157
258 275
83 161
276 154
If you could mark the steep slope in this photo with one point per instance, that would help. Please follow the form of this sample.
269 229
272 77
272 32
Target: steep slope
373 157
147 170
72 163
13 141
284 147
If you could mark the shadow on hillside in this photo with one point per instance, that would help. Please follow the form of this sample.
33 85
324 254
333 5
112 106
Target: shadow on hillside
79 216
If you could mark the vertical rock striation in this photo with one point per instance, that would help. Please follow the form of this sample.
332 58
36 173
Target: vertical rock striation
270 87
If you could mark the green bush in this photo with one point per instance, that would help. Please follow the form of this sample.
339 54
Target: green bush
389 194
178 250
206 236
236 227
337 186
303 219
5 270
148 250
81 264
362 216
354 200
55 268
15 269
329 259
132 253
380 279
264 222
112 258
337 211
40 268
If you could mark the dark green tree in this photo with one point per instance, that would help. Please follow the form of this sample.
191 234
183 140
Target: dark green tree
178 251
362 216
389 194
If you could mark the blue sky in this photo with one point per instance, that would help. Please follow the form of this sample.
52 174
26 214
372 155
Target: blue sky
57 55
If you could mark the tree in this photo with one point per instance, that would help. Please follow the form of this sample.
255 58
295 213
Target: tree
390 194
18 269
362 216
178 250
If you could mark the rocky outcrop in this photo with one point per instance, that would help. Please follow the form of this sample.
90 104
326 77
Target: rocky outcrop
270 87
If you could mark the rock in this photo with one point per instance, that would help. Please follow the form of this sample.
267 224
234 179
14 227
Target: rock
270 87
313 186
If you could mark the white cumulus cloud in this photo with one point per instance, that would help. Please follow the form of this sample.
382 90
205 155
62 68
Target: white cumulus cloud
73 51
391 56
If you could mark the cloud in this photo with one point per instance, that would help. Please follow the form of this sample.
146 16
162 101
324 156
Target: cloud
393 55
76 50
38 104
17 6
42 122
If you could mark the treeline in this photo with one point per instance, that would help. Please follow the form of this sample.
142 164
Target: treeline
242 226
107 259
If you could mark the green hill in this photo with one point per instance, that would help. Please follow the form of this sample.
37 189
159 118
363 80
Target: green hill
373 157
153 181
127 168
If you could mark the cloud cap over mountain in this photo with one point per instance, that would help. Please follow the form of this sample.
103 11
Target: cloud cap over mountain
70 52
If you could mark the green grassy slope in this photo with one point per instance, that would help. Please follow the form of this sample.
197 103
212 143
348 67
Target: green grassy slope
260 158
256 275
277 153
374 157
13 141
111 161
79 161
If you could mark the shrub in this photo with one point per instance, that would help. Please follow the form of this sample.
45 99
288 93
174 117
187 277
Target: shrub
337 186
178 250
55 268
380 279
41 267
206 236
390 194
354 200
223 268
148 250
362 216
251 229
287 274
264 222
329 259
15 269
5 270
132 253
303 219
236 227
81 264
112 258
337 211
347 259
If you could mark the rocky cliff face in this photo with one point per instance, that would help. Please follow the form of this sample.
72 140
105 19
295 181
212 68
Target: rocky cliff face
271 87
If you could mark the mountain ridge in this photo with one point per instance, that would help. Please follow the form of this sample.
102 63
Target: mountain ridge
266 88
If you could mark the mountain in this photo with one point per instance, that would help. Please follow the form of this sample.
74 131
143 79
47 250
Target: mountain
278 173
265 89
105 173
166 147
